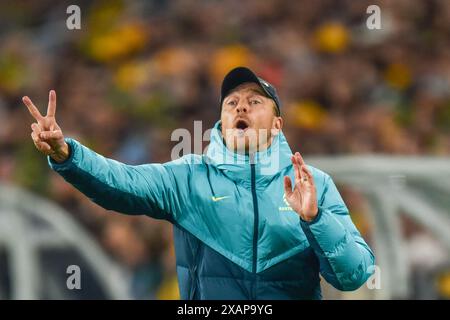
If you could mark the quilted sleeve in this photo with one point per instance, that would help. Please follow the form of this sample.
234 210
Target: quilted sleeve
343 254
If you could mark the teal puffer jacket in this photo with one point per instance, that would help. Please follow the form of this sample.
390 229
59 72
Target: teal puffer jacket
235 235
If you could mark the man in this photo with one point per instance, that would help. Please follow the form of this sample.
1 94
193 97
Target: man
240 231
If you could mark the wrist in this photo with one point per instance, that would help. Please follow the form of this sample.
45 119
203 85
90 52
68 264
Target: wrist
62 154
310 217
313 219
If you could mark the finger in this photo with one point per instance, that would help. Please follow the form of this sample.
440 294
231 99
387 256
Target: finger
32 109
36 128
307 176
287 186
41 145
48 135
51 109
307 172
300 159
34 137
297 174
301 178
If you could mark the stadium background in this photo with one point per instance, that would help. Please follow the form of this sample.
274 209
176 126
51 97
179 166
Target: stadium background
137 70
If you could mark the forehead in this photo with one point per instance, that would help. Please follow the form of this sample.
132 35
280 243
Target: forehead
247 87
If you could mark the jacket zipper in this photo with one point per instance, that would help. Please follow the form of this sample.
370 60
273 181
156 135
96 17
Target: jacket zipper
255 225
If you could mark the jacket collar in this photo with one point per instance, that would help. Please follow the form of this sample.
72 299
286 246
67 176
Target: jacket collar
268 162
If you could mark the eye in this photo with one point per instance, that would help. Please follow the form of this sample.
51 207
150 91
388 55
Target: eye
231 103
255 101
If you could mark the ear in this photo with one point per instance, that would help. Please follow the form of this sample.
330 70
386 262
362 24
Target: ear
277 125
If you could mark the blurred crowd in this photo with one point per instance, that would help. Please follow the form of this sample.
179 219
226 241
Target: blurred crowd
137 70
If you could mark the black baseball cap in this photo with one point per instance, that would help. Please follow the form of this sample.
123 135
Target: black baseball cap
240 75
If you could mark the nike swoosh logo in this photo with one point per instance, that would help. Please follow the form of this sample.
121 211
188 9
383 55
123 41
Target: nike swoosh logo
215 199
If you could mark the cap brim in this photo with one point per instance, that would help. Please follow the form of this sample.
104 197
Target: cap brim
235 78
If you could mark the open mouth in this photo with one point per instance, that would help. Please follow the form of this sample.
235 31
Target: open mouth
241 124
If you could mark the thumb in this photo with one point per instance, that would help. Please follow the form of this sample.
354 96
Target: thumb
287 186
48 135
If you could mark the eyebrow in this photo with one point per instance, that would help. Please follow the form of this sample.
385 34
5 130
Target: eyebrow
254 91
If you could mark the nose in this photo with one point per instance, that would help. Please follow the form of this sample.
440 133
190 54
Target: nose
242 107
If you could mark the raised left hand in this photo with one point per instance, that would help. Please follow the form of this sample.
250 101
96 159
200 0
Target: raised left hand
302 199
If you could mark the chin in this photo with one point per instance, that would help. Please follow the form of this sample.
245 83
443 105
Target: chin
247 141
241 145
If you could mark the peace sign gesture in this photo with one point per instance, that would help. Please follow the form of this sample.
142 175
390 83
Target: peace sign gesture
302 199
47 135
